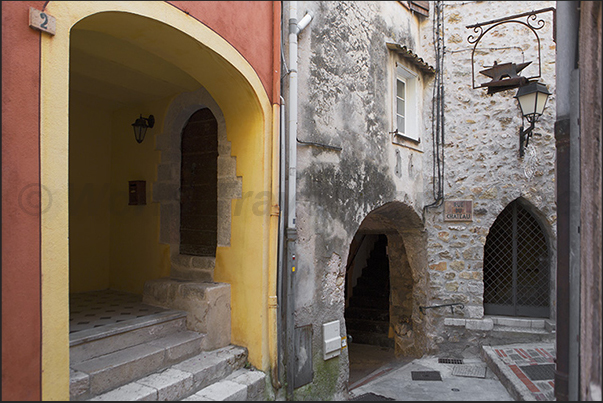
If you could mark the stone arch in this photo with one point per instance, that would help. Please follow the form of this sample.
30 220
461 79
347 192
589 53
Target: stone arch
211 61
166 190
406 245
518 254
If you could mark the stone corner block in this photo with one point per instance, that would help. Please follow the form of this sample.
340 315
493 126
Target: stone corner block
479 324
454 322
224 391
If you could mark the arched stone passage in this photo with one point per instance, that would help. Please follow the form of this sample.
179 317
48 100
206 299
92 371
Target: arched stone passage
158 44
399 227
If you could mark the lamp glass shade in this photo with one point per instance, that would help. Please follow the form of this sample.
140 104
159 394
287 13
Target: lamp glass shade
532 99
140 129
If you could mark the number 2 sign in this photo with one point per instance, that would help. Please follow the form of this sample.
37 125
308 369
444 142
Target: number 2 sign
42 21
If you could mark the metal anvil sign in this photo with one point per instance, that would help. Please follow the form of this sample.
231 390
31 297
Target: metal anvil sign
458 210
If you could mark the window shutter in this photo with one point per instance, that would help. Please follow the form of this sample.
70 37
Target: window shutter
419 7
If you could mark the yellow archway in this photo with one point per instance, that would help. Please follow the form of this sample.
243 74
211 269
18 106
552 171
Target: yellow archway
196 50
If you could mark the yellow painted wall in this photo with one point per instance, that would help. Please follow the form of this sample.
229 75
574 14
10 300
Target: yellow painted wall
235 86
89 197
136 255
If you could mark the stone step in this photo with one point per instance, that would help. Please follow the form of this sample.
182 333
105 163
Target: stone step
241 385
357 312
367 325
381 290
100 374
374 339
373 281
87 344
186 378
370 302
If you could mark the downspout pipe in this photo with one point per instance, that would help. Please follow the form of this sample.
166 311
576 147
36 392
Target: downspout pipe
295 28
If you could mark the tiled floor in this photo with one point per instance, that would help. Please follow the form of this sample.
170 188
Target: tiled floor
535 367
98 308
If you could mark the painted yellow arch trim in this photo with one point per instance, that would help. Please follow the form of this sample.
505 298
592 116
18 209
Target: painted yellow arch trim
55 174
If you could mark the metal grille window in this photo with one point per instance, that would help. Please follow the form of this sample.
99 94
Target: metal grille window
516 265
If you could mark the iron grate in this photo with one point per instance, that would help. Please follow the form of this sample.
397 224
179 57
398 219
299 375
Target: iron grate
516 264
426 375
450 361
539 372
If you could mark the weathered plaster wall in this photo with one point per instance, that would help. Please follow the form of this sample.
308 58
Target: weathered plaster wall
345 74
481 156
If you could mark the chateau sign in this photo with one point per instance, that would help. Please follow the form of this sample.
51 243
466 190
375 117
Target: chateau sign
458 210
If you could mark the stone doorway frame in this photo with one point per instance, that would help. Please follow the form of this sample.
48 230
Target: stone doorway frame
166 190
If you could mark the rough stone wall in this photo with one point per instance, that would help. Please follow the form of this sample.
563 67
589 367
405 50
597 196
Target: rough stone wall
481 155
345 100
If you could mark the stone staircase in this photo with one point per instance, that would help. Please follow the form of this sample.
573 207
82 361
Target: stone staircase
367 315
158 357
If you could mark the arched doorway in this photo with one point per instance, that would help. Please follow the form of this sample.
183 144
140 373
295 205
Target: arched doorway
129 59
199 185
385 285
517 265
367 292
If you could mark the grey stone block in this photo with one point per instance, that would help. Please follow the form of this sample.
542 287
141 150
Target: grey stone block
191 274
210 366
79 385
179 346
254 380
227 166
170 384
479 324
130 392
224 391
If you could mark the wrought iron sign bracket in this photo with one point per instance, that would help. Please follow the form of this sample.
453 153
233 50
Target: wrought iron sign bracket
506 76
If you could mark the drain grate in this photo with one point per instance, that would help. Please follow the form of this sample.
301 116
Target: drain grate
539 372
426 376
470 371
450 361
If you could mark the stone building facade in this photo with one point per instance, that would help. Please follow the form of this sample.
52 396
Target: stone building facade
364 185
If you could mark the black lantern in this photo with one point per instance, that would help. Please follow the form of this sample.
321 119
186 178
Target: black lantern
532 99
141 125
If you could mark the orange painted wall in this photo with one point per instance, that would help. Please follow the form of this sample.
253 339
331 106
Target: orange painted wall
21 338
251 27
248 28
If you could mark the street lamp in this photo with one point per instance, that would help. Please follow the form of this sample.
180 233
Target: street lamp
532 99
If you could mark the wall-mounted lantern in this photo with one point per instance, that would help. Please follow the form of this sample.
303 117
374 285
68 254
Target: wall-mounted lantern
531 94
532 100
141 125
